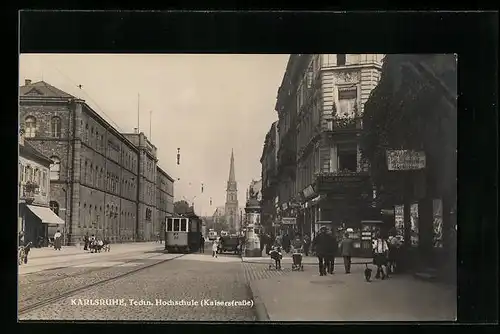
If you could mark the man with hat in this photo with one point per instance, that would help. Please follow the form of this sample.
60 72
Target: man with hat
322 244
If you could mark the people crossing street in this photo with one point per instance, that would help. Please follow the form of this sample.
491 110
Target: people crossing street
346 250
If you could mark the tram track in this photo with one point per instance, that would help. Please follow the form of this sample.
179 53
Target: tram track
48 301
84 272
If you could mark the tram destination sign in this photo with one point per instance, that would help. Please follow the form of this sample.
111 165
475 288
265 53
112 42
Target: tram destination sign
405 160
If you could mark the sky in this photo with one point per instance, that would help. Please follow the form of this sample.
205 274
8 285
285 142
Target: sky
205 105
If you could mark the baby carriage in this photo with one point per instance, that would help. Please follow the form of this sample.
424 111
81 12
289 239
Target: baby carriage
297 258
276 257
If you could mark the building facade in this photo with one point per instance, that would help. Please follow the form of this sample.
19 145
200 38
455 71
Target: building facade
102 182
147 224
164 198
231 208
321 102
268 161
37 215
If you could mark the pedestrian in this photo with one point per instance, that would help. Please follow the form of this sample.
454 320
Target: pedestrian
307 244
57 240
202 244
21 238
320 246
286 242
331 251
86 241
380 252
346 249
394 244
214 249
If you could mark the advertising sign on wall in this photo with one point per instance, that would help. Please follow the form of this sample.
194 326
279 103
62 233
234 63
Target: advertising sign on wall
405 160
437 223
399 222
289 221
414 224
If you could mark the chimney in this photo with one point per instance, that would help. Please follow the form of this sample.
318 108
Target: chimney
27 82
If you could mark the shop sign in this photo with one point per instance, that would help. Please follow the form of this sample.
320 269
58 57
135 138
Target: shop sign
308 191
405 160
289 221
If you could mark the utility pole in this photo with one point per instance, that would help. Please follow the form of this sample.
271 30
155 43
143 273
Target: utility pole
138 108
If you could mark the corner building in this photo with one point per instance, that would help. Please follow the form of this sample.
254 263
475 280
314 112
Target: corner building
93 177
323 100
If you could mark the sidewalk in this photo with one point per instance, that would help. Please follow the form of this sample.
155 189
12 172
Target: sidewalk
48 252
306 260
306 296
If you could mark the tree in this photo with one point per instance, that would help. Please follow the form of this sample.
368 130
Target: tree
413 107
182 207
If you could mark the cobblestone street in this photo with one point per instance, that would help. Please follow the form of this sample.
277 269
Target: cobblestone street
183 278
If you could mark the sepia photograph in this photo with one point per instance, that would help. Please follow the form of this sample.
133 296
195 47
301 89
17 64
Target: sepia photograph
237 187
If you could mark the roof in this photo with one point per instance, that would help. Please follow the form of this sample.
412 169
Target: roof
162 171
27 149
42 89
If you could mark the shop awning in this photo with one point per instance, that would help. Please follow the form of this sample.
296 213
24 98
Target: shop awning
46 215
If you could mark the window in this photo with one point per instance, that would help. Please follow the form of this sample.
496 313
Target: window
347 157
30 127
169 225
347 102
184 225
176 225
55 127
44 181
341 59
91 174
55 168
54 206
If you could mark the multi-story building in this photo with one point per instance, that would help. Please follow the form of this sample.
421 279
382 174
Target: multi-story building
102 182
93 179
268 161
146 211
331 90
286 146
164 198
38 217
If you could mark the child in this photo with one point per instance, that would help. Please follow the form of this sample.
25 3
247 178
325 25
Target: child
214 249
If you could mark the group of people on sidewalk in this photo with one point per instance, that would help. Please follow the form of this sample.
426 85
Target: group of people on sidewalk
327 247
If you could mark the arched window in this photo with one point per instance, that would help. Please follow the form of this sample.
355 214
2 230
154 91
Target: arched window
30 127
56 127
55 168
54 206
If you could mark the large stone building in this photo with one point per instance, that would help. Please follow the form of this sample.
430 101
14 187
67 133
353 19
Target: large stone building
94 178
37 216
147 223
231 210
320 103
164 198
268 161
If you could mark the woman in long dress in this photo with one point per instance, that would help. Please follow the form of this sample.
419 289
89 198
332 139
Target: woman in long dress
57 240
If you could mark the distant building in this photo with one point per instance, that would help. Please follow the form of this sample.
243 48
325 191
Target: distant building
269 176
164 199
38 217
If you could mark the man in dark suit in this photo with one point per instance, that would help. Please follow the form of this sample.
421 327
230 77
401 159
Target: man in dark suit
322 246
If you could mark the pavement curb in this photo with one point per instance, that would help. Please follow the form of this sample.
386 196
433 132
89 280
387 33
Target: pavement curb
258 305
310 264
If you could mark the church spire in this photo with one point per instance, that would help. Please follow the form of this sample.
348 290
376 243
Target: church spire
232 177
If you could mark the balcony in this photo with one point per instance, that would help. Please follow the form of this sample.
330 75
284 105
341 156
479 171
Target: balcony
343 182
350 124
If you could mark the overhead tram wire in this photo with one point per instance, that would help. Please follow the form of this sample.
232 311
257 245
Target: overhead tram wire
79 86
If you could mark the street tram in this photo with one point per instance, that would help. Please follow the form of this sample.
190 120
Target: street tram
183 233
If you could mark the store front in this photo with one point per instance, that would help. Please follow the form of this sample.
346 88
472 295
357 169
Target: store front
40 222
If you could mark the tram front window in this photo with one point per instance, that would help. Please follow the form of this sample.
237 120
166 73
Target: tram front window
184 225
176 225
169 225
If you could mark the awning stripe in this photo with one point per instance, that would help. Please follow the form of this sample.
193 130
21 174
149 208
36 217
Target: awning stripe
46 215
